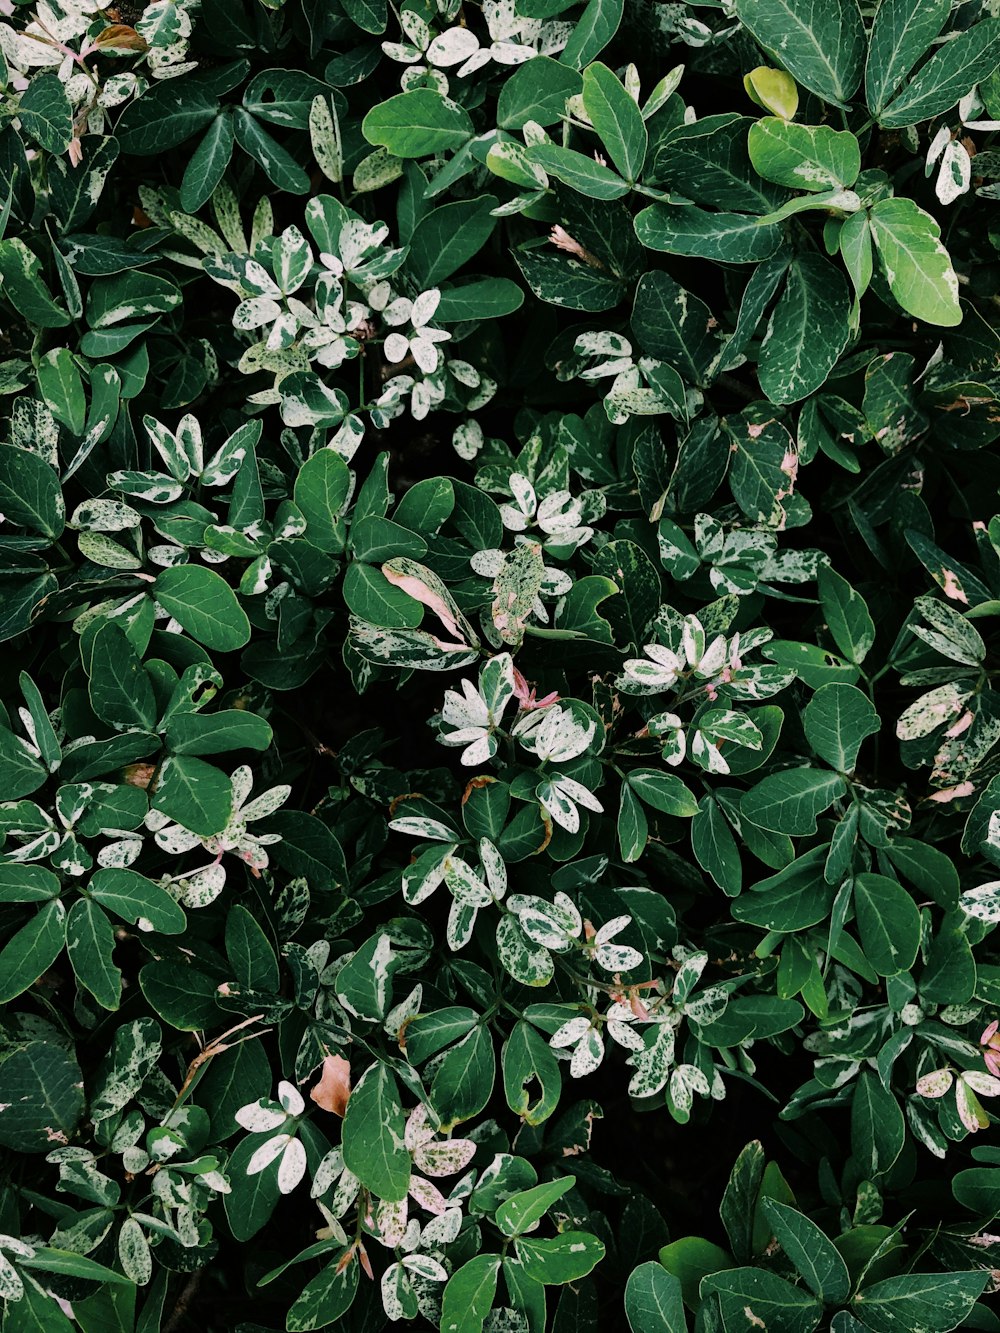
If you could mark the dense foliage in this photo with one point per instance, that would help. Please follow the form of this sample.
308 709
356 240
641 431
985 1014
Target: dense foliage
499 741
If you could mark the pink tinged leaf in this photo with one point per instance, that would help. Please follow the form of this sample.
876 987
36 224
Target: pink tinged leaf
420 592
428 1196
935 1084
953 793
446 1158
984 1084
951 587
334 1087
391 1222
971 1114
963 724
417 1130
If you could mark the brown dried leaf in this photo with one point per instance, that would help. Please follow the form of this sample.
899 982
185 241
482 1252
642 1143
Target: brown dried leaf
334 1087
120 37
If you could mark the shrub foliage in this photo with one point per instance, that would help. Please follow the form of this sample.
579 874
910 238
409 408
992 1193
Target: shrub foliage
499 750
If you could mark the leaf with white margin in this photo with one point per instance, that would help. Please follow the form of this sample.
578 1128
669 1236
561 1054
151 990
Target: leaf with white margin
983 902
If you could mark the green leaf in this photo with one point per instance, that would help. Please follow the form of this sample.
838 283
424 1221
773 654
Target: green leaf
321 490
522 1211
22 286
20 772
762 470
207 164
250 953
182 996
164 116
90 943
487 298
566 282
326 1298
217 733
370 595
198 795
793 899
594 30
463 1080
633 827
729 238
846 614
917 266
278 164
836 721
673 325
789 801
949 976
283 97
30 495
901 34
804 157
43 1097
32 950
121 692
664 792
62 388
653 1302
447 237
692 1258
203 603
27 883
812 1252
952 71
739 1200
807 331
35 1312
539 93
977 1189
936 1302
252 1199
888 923
468 1297
707 162
373 1135
134 898
70 1264
566 1258
364 982
530 1070
125 297
616 119
76 192
878 1131
417 124
369 15
821 43
747 1294
927 868
46 114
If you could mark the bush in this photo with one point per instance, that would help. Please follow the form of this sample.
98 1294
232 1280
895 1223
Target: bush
500 730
